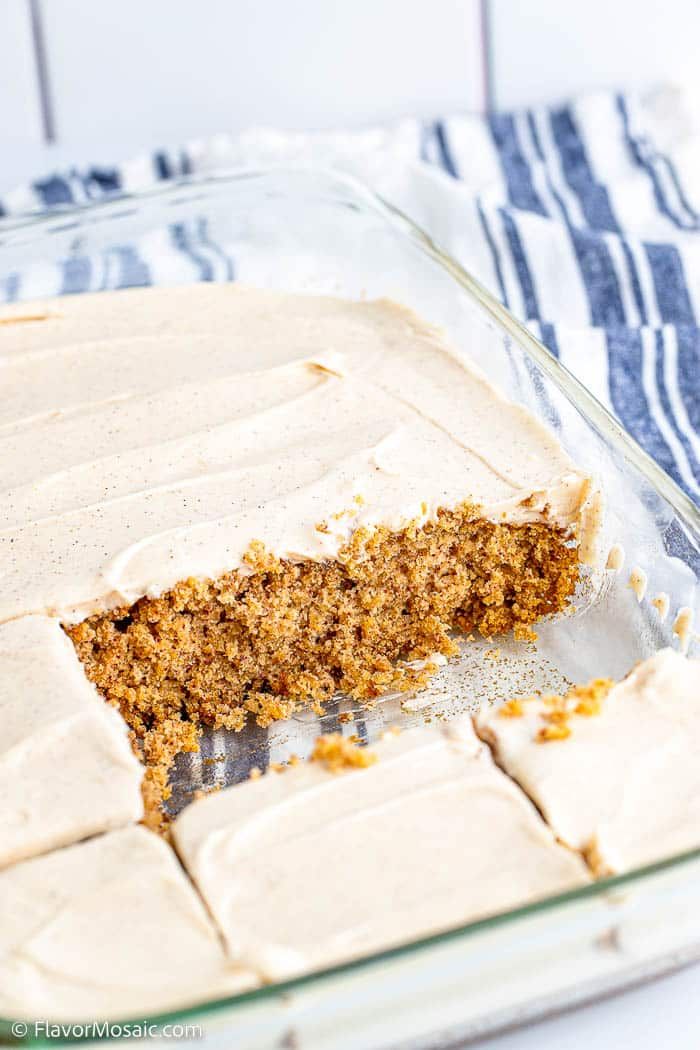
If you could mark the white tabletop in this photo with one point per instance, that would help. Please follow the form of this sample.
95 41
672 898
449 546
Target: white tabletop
655 1016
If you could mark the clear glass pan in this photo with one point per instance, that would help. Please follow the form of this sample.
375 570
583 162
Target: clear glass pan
307 231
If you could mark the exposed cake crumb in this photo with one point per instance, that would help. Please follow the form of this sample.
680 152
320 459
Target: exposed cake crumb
258 643
157 748
553 732
337 752
589 698
583 700
512 709
556 716
523 633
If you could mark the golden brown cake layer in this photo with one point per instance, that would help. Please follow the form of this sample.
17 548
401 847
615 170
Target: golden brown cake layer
259 642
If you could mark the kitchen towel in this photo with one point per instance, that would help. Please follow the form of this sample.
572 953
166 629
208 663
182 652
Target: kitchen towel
584 219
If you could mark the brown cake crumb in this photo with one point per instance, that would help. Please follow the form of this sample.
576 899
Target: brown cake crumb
590 697
260 643
553 732
157 749
584 700
512 709
337 752
524 633
557 716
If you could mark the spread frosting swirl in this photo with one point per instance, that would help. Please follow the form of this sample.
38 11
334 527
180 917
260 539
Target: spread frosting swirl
148 436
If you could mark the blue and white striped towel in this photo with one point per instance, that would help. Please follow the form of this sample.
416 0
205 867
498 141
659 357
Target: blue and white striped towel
584 219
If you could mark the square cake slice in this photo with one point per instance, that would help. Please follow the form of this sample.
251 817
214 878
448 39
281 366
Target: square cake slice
309 867
108 928
614 769
67 769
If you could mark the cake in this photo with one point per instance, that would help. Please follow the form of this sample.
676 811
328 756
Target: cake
237 501
67 769
109 928
613 768
308 868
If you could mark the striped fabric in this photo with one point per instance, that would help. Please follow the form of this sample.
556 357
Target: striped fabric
584 219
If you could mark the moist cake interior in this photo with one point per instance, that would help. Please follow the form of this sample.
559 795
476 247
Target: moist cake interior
215 652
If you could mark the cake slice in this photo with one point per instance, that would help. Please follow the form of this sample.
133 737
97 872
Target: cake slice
613 768
236 501
306 868
66 766
109 928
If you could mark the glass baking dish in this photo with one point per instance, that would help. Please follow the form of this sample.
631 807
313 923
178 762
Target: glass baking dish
310 231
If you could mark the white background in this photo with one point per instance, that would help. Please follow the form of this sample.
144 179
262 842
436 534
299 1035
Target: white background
129 75
126 75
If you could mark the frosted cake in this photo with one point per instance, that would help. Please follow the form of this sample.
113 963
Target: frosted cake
107 928
235 501
310 867
613 768
67 769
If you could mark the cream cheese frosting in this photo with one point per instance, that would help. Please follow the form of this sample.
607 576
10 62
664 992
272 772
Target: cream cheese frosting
109 928
624 786
66 767
306 868
150 435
